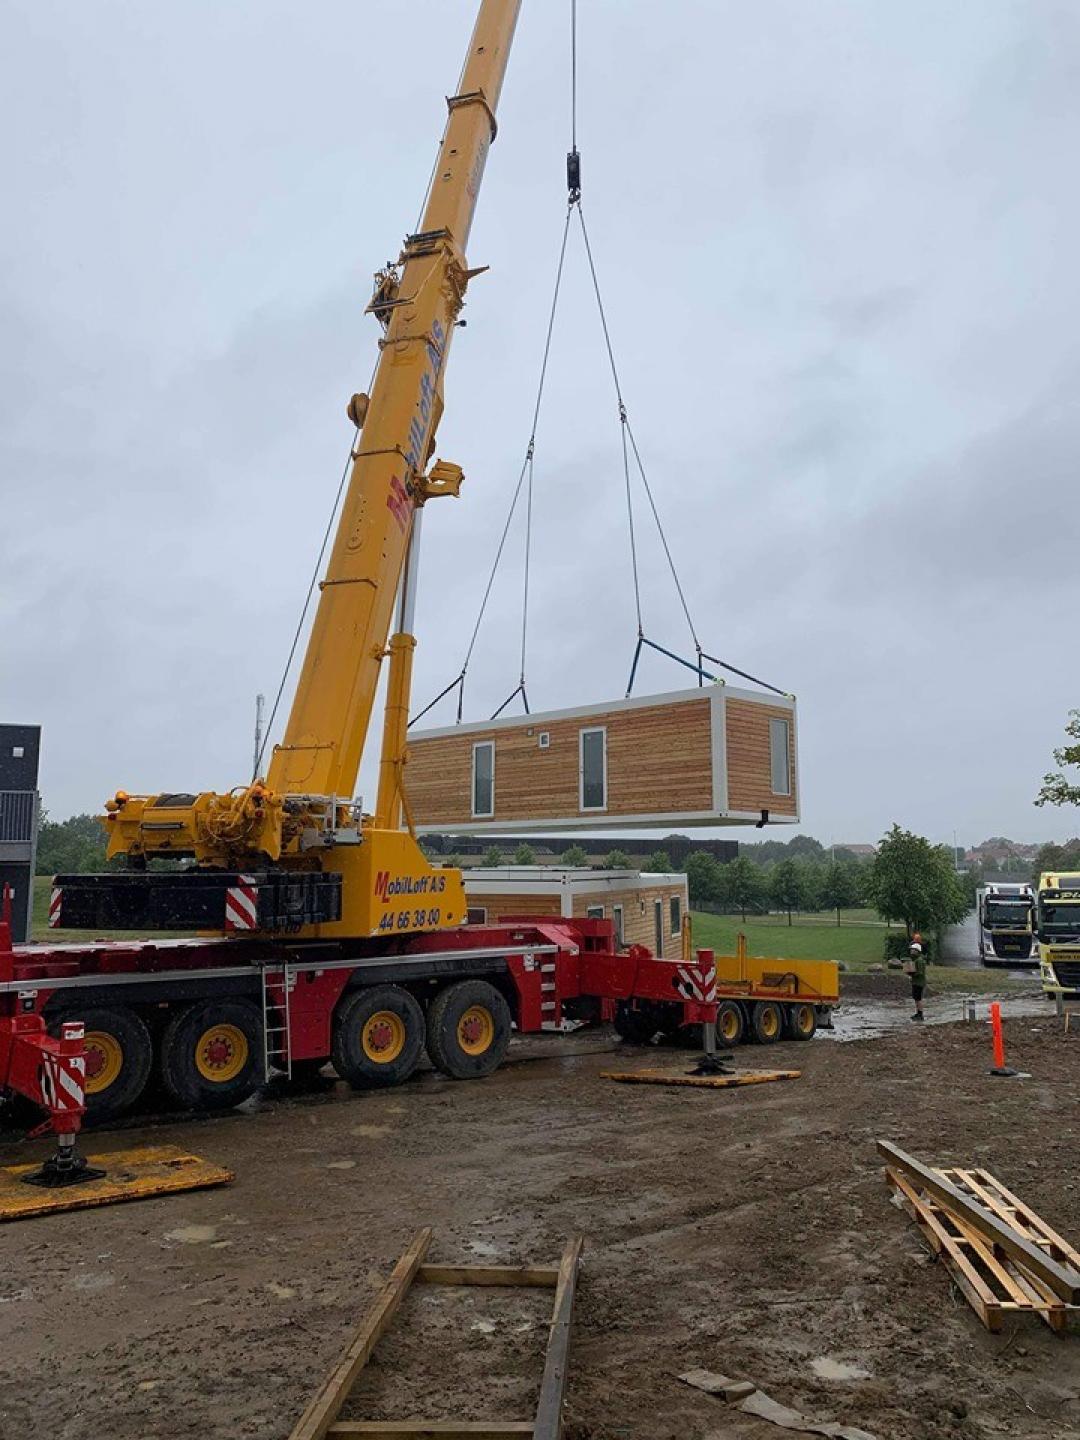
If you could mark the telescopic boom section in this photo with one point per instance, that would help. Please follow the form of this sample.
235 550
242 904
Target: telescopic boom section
418 301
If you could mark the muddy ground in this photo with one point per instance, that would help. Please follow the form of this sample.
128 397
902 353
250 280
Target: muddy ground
748 1231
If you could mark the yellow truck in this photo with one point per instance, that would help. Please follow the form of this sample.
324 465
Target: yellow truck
1057 925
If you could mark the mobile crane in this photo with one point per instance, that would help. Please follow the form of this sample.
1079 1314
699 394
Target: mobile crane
330 936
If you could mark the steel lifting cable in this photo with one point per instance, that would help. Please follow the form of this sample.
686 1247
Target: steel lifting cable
525 474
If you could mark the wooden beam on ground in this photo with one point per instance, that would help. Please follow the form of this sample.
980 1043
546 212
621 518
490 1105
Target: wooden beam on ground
434 1429
548 1424
703 1082
544 1276
324 1409
1064 1281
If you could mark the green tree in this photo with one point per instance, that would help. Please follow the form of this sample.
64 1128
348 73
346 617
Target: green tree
617 860
743 886
1056 857
574 855
491 857
914 882
812 880
524 854
840 887
75 846
1056 788
786 887
658 863
703 878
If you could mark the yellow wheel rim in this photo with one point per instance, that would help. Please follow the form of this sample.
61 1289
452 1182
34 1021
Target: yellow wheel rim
221 1053
476 1030
770 1021
729 1025
384 1037
804 1019
104 1061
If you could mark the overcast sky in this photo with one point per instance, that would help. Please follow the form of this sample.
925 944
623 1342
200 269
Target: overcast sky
838 243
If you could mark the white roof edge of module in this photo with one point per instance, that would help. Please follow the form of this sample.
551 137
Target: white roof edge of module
607 707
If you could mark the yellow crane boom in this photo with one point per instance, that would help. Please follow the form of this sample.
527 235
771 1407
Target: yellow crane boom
302 816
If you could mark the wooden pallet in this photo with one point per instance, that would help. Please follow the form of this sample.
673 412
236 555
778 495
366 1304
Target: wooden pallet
993 1284
320 1419
707 1082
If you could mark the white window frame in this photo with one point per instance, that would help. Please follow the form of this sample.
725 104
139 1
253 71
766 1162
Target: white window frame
658 926
775 720
483 814
675 902
618 919
594 912
591 730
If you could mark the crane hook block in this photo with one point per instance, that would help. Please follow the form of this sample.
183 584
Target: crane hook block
357 409
573 174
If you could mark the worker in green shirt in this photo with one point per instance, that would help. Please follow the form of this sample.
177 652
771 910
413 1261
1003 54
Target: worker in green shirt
916 968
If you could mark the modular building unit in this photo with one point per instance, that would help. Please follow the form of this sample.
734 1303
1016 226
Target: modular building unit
645 909
711 756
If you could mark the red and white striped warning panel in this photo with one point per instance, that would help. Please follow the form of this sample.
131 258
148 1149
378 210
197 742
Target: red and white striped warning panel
55 900
699 981
242 904
62 1081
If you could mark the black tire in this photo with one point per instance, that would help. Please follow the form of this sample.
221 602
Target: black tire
378 1037
730 1024
766 1021
800 1021
468 1030
637 1026
211 1054
119 1058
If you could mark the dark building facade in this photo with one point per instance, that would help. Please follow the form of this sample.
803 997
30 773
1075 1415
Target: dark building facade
20 747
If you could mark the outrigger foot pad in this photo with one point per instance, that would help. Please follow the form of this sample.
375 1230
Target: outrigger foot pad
63 1168
714 1064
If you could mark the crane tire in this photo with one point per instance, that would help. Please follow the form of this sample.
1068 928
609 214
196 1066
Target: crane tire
211 1054
468 1030
119 1058
730 1023
800 1021
378 1037
766 1021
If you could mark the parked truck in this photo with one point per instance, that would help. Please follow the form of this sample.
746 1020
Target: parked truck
1005 915
1057 925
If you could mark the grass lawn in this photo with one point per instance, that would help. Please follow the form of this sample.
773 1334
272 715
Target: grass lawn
816 938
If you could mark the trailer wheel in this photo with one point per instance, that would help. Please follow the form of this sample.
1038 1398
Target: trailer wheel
119 1056
766 1021
211 1054
468 1030
378 1037
800 1022
730 1023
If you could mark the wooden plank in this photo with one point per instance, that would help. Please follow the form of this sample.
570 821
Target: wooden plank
140 1174
326 1405
548 1423
706 1082
436 1429
546 1277
1063 1280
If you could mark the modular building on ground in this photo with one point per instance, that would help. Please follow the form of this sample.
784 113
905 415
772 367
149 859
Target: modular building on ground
645 909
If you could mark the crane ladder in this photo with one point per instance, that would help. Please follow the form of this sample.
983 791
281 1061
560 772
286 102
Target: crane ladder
277 983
